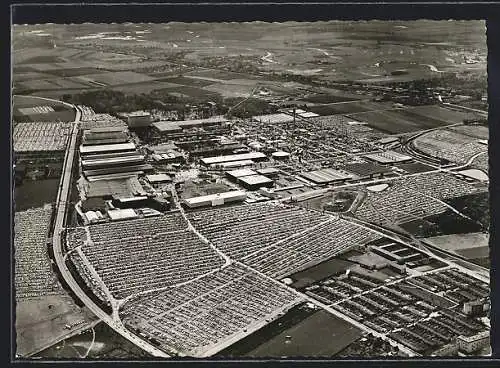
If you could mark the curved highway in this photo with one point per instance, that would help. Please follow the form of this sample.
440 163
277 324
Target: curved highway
59 222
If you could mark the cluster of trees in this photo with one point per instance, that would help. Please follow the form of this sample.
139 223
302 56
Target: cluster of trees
248 108
111 101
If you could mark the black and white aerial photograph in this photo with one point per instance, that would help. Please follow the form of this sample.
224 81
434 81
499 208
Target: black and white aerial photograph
250 190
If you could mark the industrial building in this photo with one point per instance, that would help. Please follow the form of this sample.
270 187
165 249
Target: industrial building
249 179
119 171
104 135
137 119
367 170
253 156
327 176
158 178
388 157
215 199
107 148
122 214
280 155
239 173
255 182
470 344
233 164
99 162
270 172
169 127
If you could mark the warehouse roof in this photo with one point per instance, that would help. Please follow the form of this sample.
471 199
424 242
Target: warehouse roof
280 154
234 194
388 157
115 160
158 178
237 163
164 126
123 214
327 175
268 170
255 179
239 157
308 114
107 129
167 126
241 172
107 148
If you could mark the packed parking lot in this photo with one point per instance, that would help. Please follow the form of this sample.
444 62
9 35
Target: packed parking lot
205 316
415 197
40 136
422 312
143 254
33 273
450 145
242 230
309 247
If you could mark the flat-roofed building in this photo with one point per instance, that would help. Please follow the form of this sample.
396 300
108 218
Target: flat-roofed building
308 114
236 174
215 199
270 172
253 156
158 178
388 157
326 176
281 155
130 170
168 127
138 119
233 164
470 344
98 163
96 136
107 148
367 169
122 214
254 182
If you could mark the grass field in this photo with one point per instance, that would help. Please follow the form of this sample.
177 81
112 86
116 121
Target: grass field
408 120
32 194
186 81
319 335
115 78
40 322
348 107
327 98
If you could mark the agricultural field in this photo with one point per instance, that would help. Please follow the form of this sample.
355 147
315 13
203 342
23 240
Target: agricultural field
410 119
115 78
187 81
348 107
32 194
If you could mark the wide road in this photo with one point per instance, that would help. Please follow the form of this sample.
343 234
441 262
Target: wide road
59 222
